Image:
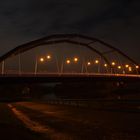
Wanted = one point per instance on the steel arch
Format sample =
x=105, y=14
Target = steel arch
x=53, y=39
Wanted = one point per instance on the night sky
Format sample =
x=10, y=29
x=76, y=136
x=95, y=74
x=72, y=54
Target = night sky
x=114, y=21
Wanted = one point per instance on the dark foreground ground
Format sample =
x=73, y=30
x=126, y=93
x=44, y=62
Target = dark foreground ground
x=39, y=121
x=12, y=128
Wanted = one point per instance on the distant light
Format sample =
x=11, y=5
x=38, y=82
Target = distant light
x=124, y=72
x=75, y=59
x=137, y=67
x=119, y=67
x=113, y=63
x=126, y=65
x=130, y=69
x=48, y=57
x=88, y=63
x=96, y=61
x=41, y=59
x=105, y=65
x=68, y=61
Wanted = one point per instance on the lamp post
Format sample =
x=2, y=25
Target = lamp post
x=75, y=59
x=36, y=63
x=67, y=61
x=82, y=66
x=97, y=63
x=105, y=65
x=137, y=69
x=87, y=65
x=113, y=64
x=57, y=64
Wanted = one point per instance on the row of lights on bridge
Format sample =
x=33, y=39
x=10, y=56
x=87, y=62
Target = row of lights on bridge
x=75, y=59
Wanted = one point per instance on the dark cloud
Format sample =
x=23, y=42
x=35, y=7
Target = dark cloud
x=114, y=21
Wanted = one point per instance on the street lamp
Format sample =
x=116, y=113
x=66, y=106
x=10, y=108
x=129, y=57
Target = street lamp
x=75, y=59
x=113, y=63
x=96, y=61
x=68, y=61
x=126, y=65
x=48, y=57
x=105, y=65
x=119, y=67
x=112, y=69
x=88, y=63
x=36, y=63
x=41, y=59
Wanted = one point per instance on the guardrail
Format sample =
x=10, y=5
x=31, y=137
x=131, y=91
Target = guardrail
x=70, y=74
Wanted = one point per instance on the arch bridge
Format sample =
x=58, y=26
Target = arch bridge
x=68, y=55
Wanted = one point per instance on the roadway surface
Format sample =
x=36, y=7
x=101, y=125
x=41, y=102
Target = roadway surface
x=39, y=121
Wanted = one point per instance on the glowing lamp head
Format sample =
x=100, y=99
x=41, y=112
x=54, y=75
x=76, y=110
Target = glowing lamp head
x=75, y=59
x=48, y=57
x=68, y=61
x=96, y=61
x=137, y=67
x=41, y=59
x=113, y=64
x=88, y=63
x=126, y=65
x=105, y=65
x=119, y=67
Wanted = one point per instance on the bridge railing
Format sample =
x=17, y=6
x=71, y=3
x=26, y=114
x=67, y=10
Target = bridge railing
x=68, y=75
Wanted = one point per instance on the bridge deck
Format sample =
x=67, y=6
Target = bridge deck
x=67, y=77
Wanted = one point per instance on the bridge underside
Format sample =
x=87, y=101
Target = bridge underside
x=67, y=87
